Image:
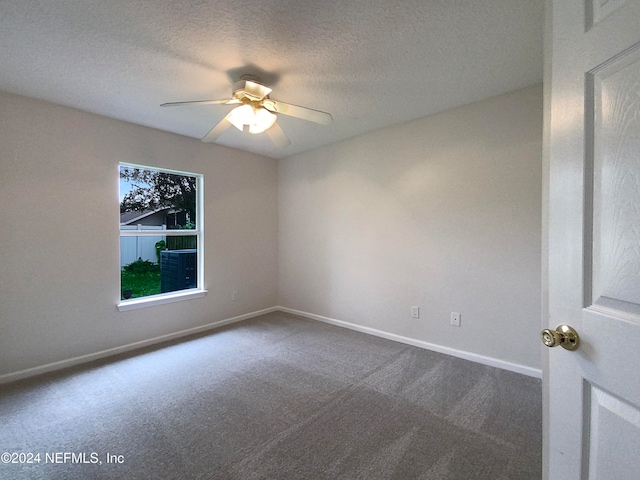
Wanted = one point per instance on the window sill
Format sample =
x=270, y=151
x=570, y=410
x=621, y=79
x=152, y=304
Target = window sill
x=161, y=299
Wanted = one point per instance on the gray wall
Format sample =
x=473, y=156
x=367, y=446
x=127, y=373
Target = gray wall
x=443, y=213
x=59, y=261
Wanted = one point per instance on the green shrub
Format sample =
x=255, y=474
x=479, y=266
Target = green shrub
x=141, y=267
x=140, y=279
x=160, y=246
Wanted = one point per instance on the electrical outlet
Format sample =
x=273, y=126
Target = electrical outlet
x=415, y=312
x=455, y=319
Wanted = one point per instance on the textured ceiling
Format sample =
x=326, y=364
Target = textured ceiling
x=370, y=63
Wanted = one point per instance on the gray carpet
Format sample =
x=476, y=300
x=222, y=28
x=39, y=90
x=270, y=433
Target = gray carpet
x=276, y=397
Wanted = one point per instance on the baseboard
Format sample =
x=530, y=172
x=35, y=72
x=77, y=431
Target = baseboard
x=72, y=362
x=493, y=362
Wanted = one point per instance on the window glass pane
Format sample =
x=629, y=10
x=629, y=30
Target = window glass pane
x=154, y=203
x=179, y=243
x=150, y=266
x=151, y=199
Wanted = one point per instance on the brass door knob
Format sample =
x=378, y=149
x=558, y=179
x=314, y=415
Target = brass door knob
x=564, y=335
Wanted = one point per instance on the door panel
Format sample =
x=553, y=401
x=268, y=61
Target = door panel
x=599, y=9
x=613, y=94
x=610, y=417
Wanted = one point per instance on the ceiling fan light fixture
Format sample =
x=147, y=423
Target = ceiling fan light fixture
x=257, y=119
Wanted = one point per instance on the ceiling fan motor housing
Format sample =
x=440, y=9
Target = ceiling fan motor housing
x=251, y=89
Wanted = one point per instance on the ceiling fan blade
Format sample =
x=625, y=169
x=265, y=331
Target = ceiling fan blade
x=278, y=136
x=216, y=131
x=226, y=101
x=304, y=113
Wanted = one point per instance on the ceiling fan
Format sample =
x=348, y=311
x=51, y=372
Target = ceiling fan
x=256, y=112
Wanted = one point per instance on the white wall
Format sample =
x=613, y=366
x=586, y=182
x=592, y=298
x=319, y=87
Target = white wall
x=59, y=217
x=442, y=212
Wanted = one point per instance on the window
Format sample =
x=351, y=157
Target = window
x=161, y=231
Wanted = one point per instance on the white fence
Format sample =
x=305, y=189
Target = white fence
x=132, y=248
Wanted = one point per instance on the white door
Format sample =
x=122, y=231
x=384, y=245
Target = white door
x=592, y=394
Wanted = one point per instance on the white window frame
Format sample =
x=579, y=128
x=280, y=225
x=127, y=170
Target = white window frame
x=179, y=295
